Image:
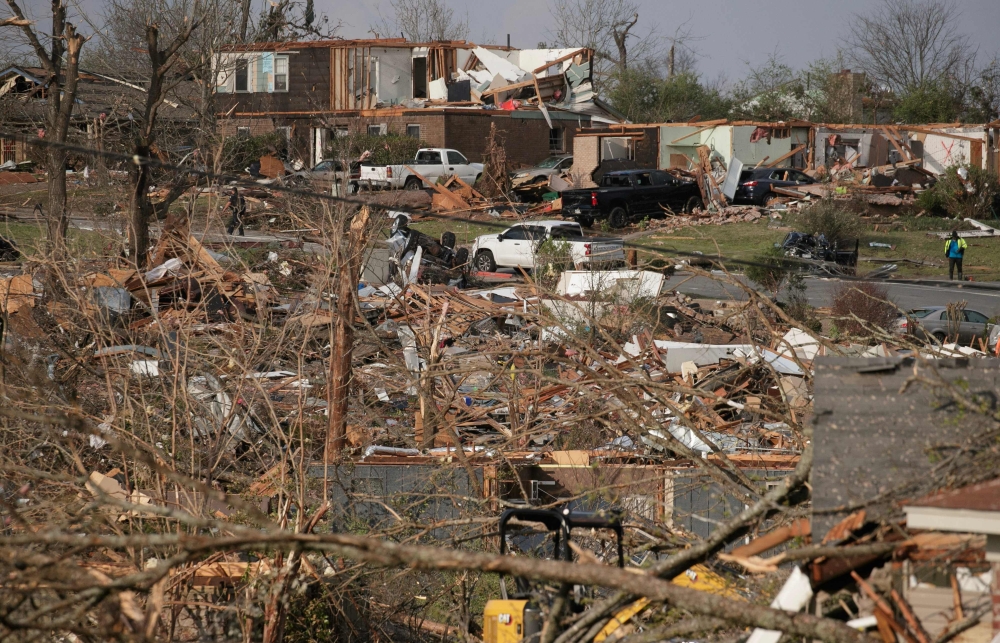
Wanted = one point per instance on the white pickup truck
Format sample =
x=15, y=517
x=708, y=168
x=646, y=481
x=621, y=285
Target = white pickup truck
x=518, y=246
x=431, y=163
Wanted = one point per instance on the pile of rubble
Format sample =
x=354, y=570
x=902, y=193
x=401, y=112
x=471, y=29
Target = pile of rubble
x=471, y=348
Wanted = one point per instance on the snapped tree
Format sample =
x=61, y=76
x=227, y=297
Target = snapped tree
x=61, y=62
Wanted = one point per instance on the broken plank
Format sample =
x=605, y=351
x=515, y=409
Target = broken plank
x=448, y=194
x=788, y=154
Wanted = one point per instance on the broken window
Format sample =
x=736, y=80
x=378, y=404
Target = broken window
x=413, y=131
x=618, y=148
x=420, y=77
x=616, y=181
x=643, y=180
x=243, y=132
x=281, y=73
x=376, y=130
x=341, y=130
x=242, y=76
x=285, y=132
x=557, y=140
x=662, y=178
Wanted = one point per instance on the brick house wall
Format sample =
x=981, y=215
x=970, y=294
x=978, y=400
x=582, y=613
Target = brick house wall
x=586, y=158
x=526, y=138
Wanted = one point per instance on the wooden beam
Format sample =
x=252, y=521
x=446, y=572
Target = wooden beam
x=800, y=527
x=892, y=139
x=466, y=185
x=925, y=130
x=706, y=126
x=788, y=154
x=521, y=85
x=905, y=142
x=558, y=60
x=910, y=617
x=956, y=597
x=458, y=201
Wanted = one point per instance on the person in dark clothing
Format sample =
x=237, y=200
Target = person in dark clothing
x=954, y=249
x=239, y=207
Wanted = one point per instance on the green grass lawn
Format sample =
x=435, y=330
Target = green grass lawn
x=465, y=231
x=907, y=234
x=83, y=244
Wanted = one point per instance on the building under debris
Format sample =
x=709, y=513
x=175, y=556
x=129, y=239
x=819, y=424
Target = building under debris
x=444, y=93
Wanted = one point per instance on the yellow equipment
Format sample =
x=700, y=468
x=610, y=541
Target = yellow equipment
x=516, y=619
x=511, y=620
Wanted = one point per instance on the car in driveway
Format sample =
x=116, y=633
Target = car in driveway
x=431, y=163
x=932, y=322
x=326, y=173
x=755, y=184
x=550, y=166
x=629, y=195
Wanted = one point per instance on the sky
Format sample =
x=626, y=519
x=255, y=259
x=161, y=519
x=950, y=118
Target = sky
x=731, y=33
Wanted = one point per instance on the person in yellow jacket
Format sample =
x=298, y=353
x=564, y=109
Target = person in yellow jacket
x=954, y=249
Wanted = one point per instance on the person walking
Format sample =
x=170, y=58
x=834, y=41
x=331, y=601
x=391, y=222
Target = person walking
x=239, y=207
x=954, y=249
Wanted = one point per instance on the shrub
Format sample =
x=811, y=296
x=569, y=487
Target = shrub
x=831, y=219
x=970, y=198
x=868, y=302
x=239, y=151
x=385, y=148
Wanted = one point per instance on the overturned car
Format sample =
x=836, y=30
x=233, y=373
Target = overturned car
x=437, y=260
x=821, y=255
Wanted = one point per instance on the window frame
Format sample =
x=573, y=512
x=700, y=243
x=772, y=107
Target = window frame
x=243, y=132
x=244, y=64
x=274, y=75
x=451, y=161
x=985, y=319
x=380, y=127
x=521, y=231
x=557, y=140
x=411, y=126
x=429, y=154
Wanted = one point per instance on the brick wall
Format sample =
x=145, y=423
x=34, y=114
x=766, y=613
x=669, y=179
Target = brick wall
x=586, y=157
x=230, y=126
x=431, y=125
x=526, y=139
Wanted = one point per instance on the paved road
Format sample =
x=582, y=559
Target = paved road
x=819, y=292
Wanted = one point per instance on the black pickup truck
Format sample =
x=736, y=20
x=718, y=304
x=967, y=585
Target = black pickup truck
x=628, y=195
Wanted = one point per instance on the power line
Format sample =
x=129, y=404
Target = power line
x=787, y=264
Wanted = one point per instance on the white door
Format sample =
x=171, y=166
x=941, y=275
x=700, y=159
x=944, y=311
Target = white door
x=318, y=144
x=510, y=252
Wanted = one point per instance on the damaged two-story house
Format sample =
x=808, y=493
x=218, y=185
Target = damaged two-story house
x=444, y=93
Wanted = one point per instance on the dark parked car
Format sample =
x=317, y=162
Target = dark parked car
x=755, y=185
x=933, y=321
x=628, y=195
